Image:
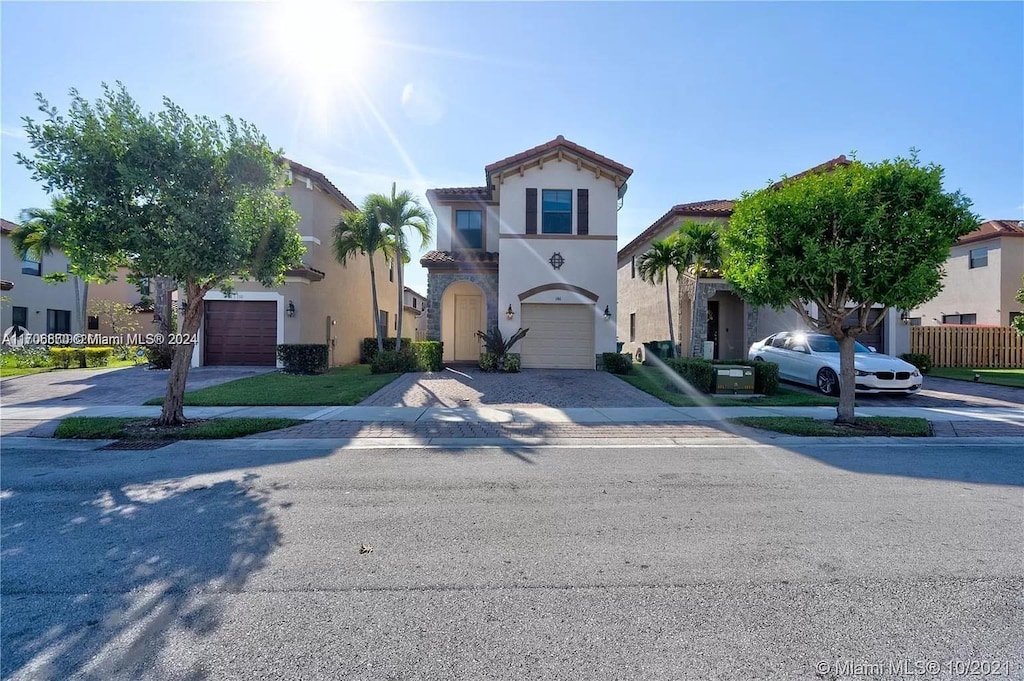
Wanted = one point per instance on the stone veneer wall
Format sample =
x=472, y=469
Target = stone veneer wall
x=700, y=328
x=438, y=283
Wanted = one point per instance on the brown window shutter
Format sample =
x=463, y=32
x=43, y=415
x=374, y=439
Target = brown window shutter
x=583, y=212
x=531, y=211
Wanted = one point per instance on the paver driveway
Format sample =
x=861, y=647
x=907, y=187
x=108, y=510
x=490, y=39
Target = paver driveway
x=530, y=388
x=130, y=385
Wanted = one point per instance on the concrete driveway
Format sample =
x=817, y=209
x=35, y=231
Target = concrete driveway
x=129, y=385
x=470, y=387
x=943, y=392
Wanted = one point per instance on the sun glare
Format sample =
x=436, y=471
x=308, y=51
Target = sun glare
x=323, y=44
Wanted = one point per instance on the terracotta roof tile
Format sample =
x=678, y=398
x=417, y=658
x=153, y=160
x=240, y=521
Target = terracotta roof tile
x=840, y=160
x=710, y=209
x=6, y=226
x=559, y=141
x=328, y=186
x=306, y=272
x=6, y=285
x=468, y=193
x=455, y=257
x=994, y=229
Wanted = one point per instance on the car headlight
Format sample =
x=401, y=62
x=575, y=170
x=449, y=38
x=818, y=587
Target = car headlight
x=863, y=373
x=915, y=373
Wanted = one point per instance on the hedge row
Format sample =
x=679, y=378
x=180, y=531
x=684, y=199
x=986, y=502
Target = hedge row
x=81, y=357
x=428, y=355
x=304, y=358
x=918, y=359
x=700, y=373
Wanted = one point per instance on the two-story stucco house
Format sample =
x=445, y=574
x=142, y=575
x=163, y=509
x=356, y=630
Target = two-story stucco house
x=319, y=302
x=29, y=301
x=983, y=274
x=533, y=248
x=415, y=310
x=721, y=316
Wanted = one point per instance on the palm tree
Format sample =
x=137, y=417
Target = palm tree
x=359, y=233
x=394, y=215
x=701, y=248
x=38, y=235
x=654, y=266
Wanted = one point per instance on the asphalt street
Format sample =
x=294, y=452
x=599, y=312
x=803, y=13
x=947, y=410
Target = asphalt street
x=276, y=560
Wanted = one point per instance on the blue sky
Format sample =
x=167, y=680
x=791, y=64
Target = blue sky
x=702, y=100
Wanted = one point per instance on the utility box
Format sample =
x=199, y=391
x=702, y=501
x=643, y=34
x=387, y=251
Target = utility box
x=734, y=380
x=709, y=350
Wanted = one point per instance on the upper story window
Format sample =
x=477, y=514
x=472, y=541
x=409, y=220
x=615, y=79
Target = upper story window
x=979, y=257
x=30, y=265
x=557, y=211
x=469, y=225
x=959, y=319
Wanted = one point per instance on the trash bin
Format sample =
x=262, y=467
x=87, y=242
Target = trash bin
x=653, y=349
x=619, y=346
x=666, y=349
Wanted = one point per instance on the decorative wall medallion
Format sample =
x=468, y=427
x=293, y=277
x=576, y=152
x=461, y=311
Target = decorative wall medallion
x=557, y=261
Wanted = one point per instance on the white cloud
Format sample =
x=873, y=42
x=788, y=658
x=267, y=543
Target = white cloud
x=13, y=133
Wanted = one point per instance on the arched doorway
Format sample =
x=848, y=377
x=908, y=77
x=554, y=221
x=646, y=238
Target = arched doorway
x=463, y=313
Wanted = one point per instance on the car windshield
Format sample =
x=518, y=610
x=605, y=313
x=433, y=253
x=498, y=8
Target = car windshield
x=829, y=344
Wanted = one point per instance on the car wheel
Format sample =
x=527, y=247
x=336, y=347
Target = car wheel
x=828, y=382
x=759, y=359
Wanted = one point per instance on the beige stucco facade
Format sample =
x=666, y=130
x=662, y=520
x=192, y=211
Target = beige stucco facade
x=987, y=292
x=331, y=303
x=31, y=293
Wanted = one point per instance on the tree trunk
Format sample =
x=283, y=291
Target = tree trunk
x=376, y=307
x=401, y=303
x=693, y=311
x=847, y=381
x=80, y=321
x=85, y=306
x=668, y=304
x=172, y=413
x=162, y=304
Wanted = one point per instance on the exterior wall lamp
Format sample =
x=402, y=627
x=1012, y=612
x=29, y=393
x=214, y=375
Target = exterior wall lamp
x=905, y=317
x=509, y=313
x=290, y=310
x=607, y=313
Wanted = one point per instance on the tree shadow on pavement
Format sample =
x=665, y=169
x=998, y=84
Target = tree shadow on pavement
x=98, y=582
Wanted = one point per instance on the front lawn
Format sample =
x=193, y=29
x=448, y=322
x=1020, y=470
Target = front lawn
x=1012, y=378
x=886, y=426
x=9, y=371
x=654, y=382
x=109, y=428
x=343, y=386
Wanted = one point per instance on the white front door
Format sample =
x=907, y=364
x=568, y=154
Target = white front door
x=559, y=337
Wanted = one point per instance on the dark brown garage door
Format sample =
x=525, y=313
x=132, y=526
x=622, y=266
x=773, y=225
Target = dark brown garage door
x=240, y=332
x=876, y=337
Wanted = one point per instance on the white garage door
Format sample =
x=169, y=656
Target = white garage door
x=560, y=336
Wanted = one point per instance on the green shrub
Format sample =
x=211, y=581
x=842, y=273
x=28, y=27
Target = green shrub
x=368, y=348
x=617, y=363
x=512, y=363
x=394, y=362
x=27, y=357
x=429, y=354
x=488, y=361
x=303, y=358
x=159, y=356
x=697, y=372
x=918, y=359
x=65, y=358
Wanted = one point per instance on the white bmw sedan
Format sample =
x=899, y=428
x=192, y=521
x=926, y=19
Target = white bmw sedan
x=813, y=359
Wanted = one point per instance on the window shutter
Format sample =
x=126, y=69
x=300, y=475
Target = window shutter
x=583, y=212
x=531, y=211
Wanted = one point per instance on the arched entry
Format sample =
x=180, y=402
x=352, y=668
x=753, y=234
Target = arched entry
x=463, y=313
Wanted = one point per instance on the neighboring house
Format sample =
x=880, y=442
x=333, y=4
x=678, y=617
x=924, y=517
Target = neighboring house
x=31, y=302
x=139, y=297
x=319, y=302
x=722, y=316
x=415, y=323
x=983, y=275
x=533, y=248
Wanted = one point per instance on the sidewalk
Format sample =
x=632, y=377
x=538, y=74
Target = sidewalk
x=468, y=422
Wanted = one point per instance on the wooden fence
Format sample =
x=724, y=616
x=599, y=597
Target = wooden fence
x=974, y=347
